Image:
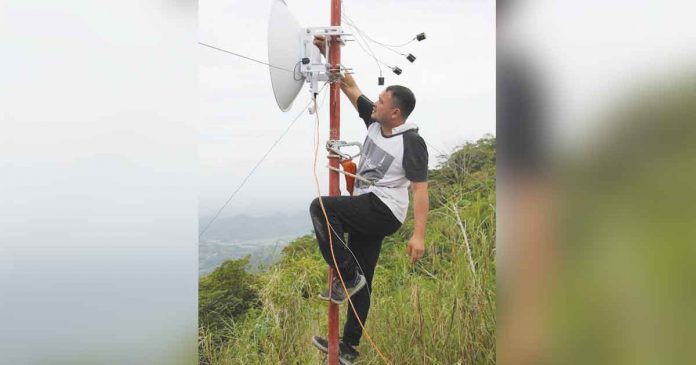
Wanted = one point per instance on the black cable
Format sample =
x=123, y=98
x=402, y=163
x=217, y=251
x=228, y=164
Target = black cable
x=242, y=56
x=257, y=165
x=410, y=57
x=391, y=45
x=374, y=41
x=436, y=150
x=371, y=54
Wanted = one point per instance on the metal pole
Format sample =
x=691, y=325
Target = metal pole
x=335, y=134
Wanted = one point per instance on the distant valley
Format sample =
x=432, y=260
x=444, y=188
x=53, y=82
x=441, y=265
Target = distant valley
x=235, y=237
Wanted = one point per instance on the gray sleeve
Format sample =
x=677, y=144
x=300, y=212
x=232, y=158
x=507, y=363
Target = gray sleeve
x=365, y=109
x=415, y=161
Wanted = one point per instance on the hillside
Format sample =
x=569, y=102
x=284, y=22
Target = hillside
x=440, y=311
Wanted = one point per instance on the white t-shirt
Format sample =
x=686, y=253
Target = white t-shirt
x=390, y=162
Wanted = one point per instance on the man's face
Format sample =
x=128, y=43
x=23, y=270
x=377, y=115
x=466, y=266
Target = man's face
x=384, y=110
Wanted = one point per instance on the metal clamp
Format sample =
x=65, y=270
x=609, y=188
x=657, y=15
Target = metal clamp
x=335, y=146
x=311, y=66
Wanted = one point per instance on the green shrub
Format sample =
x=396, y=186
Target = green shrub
x=226, y=294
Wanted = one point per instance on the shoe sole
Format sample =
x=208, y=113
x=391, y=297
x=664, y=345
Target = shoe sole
x=325, y=350
x=319, y=346
x=356, y=289
x=362, y=283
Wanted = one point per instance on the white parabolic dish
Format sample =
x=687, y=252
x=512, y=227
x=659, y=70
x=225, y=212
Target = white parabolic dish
x=284, y=52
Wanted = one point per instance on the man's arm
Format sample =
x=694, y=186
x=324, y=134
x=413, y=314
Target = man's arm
x=421, y=206
x=348, y=85
x=350, y=88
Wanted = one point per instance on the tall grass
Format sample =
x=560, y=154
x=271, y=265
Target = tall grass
x=438, y=311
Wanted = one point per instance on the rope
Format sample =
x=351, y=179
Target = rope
x=362, y=271
x=285, y=132
x=329, y=229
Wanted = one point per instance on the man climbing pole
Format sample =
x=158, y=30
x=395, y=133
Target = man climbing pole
x=394, y=157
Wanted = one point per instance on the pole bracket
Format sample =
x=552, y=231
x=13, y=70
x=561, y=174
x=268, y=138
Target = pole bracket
x=310, y=65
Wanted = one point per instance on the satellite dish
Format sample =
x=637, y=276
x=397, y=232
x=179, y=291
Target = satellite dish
x=284, y=52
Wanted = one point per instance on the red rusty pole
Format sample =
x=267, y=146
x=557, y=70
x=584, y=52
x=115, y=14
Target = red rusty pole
x=334, y=134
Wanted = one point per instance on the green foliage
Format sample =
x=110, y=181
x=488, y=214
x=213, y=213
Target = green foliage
x=438, y=311
x=469, y=171
x=226, y=294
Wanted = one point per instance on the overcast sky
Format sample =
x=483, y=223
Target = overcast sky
x=453, y=79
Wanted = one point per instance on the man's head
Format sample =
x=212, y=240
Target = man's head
x=394, y=106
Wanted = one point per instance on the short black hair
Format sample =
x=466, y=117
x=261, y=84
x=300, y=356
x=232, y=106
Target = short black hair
x=402, y=98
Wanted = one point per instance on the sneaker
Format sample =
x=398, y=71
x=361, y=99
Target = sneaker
x=338, y=295
x=346, y=354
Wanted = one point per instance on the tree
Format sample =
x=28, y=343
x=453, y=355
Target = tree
x=225, y=294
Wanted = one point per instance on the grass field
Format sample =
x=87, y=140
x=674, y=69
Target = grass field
x=439, y=311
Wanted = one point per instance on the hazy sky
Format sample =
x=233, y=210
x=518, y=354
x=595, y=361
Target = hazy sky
x=98, y=223
x=453, y=79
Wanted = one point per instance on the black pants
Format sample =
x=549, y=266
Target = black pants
x=367, y=220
